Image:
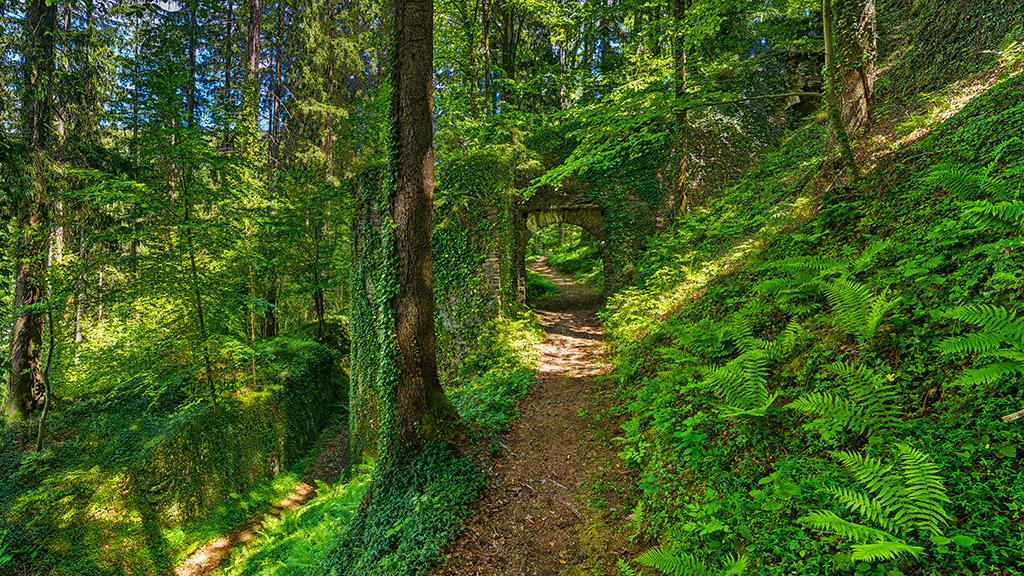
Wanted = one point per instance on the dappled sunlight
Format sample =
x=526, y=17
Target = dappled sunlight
x=209, y=557
x=893, y=133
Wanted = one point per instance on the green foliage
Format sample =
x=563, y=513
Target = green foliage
x=857, y=309
x=899, y=502
x=167, y=474
x=487, y=402
x=1001, y=338
x=295, y=542
x=539, y=287
x=410, y=517
x=879, y=277
x=5, y=558
x=687, y=565
x=867, y=405
x=1001, y=216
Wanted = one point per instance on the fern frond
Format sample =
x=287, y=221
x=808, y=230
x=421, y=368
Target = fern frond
x=990, y=318
x=819, y=264
x=739, y=330
x=974, y=343
x=741, y=383
x=884, y=551
x=958, y=179
x=867, y=257
x=880, y=306
x=851, y=303
x=735, y=565
x=673, y=564
x=850, y=372
x=828, y=520
x=867, y=405
x=786, y=342
x=989, y=373
x=757, y=409
x=774, y=286
x=924, y=490
x=873, y=510
x=1001, y=216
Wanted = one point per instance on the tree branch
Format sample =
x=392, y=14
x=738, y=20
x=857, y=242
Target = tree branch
x=764, y=97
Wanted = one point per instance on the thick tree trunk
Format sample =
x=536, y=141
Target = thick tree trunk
x=422, y=409
x=856, y=47
x=25, y=386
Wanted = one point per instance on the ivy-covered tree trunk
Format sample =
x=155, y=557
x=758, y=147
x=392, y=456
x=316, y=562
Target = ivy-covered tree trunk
x=397, y=399
x=25, y=384
x=423, y=412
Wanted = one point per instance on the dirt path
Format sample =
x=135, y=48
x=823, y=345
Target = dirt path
x=331, y=461
x=559, y=496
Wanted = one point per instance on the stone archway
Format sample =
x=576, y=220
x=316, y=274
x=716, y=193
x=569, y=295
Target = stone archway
x=530, y=220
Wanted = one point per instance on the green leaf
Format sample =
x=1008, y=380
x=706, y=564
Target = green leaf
x=790, y=488
x=1008, y=451
x=965, y=541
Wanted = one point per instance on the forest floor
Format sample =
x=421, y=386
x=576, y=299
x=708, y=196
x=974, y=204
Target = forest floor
x=559, y=497
x=330, y=463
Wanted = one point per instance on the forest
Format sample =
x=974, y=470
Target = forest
x=511, y=287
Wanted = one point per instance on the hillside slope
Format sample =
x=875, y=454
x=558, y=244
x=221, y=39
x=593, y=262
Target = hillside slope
x=816, y=370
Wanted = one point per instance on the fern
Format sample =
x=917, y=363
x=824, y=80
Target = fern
x=688, y=565
x=867, y=405
x=858, y=310
x=671, y=563
x=1002, y=338
x=898, y=499
x=884, y=551
x=1005, y=217
x=742, y=383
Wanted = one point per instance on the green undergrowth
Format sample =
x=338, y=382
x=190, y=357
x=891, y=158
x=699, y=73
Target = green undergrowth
x=539, y=287
x=582, y=261
x=294, y=542
x=130, y=482
x=416, y=509
x=818, y=378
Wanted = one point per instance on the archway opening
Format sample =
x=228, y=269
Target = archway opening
x=565, y=248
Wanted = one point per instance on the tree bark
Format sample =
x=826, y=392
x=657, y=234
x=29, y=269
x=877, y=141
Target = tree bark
x=25, y=387
x=680, y=191
x=838, y=127
x=252, y=68
x=422, y=409
x=856, y=46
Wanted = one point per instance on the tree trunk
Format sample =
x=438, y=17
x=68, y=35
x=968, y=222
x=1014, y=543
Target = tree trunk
x=489, y=94
x=680, y=190
x=25, y=386
x=229, y=57
x=856, y=46
x=80, y=294
x=193, y=32
x=423, y=411
x=252, y=67
x=838, y=127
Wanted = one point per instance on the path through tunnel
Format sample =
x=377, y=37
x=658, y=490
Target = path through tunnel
x=570, y=240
